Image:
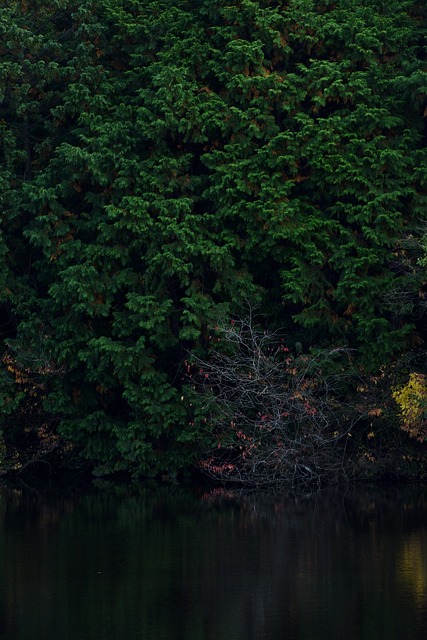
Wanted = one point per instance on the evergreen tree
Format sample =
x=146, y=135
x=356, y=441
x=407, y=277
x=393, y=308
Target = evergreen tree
x=163, y=162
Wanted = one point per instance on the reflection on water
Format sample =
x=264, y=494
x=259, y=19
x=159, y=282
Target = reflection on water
x=180, y=564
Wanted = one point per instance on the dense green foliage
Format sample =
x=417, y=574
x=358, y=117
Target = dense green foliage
x=163, y=163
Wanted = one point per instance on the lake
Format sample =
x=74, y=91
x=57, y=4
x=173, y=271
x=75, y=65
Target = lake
x=109, y=562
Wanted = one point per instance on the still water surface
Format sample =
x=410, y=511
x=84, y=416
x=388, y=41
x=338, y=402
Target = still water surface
x=177, y=564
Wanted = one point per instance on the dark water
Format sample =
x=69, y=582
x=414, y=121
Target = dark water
x=176, y=564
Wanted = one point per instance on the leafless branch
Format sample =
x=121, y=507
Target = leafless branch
x=276, y=417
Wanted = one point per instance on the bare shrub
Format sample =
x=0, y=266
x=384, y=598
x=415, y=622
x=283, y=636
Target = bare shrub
x=276, y=417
